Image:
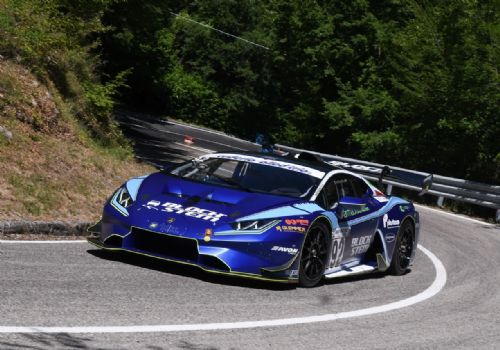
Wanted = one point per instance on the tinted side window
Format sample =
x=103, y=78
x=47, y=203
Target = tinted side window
x=359, y=187
x=330, y=193
x=350, y=186
x=321, y=200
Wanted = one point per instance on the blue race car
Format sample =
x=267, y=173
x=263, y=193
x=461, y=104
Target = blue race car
x=261, y=216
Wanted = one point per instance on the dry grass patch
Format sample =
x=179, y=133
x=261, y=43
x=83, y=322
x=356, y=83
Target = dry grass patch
x=51, y=169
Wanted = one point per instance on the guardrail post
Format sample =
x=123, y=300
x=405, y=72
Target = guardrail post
x=498, y=215
x=389, y=189
x=440, y=202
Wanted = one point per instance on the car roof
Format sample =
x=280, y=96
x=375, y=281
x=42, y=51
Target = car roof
x=313, y=164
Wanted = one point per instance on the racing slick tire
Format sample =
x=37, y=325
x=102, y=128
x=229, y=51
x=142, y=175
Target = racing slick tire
x=403, y=249
x=314, y=255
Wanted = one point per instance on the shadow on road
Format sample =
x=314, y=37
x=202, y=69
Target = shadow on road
x=43, y=341
x=39, y=341
x=187, y=271
x=195, y=272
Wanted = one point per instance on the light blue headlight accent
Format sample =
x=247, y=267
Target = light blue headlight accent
x=133, y=186
x=249, y=232
x=118, y=206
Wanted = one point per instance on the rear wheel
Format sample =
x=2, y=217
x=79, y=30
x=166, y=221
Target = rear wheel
x=314, y=255
x=403, y=250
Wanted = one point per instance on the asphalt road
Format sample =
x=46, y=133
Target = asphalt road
x=161, y=142
x=74, y=285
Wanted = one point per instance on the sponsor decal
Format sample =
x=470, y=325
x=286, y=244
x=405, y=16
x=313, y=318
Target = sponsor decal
x=170, y=220
x=288, y=250
x=390, y=237
x=389, y=223
x=290, y=228
x=194, y=212
x=348, y=212
x=404, y=208
x=356, y=166
x=293, y=273
x=302, y=222
x=360, y=245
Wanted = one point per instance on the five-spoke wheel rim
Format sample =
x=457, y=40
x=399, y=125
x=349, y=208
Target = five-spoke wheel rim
x=312, y=261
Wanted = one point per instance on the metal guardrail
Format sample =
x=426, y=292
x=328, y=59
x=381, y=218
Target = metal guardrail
x=441, y=186
x=160, y=141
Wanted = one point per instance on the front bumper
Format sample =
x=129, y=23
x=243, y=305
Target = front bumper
x=215, y=257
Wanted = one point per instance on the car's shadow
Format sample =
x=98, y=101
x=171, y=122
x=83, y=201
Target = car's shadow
x=196, y=272
x=187, y=270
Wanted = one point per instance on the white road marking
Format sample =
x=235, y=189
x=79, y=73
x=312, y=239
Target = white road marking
x=453, y=215
x=41, y=242
x=436, y=286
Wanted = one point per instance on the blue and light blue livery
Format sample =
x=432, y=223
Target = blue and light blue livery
x=217, y=213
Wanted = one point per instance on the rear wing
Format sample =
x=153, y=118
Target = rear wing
x=416, y=179
x=377, y=173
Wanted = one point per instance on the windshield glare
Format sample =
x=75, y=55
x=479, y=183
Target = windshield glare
x=248, y=176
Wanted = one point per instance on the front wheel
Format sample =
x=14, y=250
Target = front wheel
x=403, y=250
x=314, y=255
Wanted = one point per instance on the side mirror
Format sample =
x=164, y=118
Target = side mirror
x=349, y=207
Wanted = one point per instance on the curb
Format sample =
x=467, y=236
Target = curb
x=53, y=228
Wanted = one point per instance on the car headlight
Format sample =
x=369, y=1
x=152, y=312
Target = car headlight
x=121, y=200
x=254, y=225
x=124, y=198
x=126, y=195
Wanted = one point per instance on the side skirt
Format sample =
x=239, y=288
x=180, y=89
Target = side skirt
x=351, y=271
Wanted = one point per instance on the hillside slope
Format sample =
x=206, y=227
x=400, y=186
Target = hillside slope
x=50, y=169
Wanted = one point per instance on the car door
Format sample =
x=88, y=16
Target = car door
x=349, y=198
x=355, y=209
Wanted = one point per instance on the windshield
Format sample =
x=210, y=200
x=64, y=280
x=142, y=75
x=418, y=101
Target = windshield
x=248, y=176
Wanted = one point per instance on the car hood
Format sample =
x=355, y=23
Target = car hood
x=163, y=200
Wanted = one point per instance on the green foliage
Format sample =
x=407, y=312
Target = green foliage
x=448, y=83
x=192, y=98
x=57, y=40
x=410, y=83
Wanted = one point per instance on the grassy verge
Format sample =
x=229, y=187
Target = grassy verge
x=52, y=169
